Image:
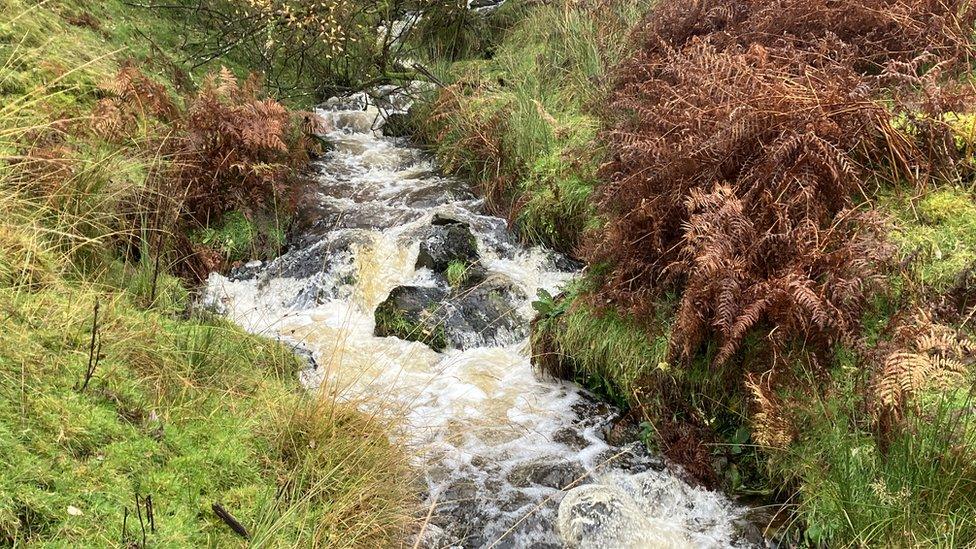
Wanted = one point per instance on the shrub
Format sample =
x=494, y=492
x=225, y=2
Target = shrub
x=228, y=152
x=238, y=150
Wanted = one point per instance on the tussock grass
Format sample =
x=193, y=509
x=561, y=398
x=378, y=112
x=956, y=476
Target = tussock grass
x=522, y=123
x=918, y=489
x=604, y=351
x=189, y=411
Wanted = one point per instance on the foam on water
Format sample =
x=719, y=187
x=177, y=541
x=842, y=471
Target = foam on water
x=497, y=445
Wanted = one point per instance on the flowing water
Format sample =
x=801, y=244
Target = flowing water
x=496, y=444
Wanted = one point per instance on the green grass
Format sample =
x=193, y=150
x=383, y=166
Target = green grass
x=182, y=406
x=521, y=123
x=916, y=489
x=456, y=273
x=602, y=350
x=238, y=238
x=189, y=411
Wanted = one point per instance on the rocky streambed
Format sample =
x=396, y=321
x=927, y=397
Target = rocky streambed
x=407, y=295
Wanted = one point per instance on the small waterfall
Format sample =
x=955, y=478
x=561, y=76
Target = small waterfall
x=496, y=445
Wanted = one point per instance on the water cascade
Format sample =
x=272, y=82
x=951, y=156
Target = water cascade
x=509, y=459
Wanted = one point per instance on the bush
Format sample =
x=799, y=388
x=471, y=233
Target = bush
x=742, y=296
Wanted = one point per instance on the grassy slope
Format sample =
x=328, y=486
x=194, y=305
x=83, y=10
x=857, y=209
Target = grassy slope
x=525, y=126
x=188, y=409
x=519, y=123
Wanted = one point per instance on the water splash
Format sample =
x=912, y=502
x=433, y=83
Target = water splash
x=497, y=445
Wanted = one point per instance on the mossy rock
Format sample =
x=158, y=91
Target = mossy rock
x=412, y=313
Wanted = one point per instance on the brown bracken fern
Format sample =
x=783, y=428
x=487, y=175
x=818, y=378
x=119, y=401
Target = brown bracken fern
x=748, y=131
x=927, y=356
x=770, y=426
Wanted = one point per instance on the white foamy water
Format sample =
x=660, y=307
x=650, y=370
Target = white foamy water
x=499, y=447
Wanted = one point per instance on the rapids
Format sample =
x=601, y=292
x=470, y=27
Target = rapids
x=495, y=444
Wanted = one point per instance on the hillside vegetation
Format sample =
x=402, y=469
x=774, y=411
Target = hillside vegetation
x=774, y=201
x=125, y=413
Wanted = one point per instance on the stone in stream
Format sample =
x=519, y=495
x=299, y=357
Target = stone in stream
x=597, y=516
x=444, y=242
x=484, y=314
x=398, y=124
x=483, y=4
x=648, y=509
x=413, y=313
x=559, y=475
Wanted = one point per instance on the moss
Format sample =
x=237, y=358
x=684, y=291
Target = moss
x=937, y=231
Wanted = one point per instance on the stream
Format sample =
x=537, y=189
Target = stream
x=509, y=459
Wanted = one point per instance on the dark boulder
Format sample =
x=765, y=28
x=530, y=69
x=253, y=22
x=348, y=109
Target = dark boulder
x=398, y=124
x=485, y=314
x=443, y=244
x=413, y=313
x=558, y=474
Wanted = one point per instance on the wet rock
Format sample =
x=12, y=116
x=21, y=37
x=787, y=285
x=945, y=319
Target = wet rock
x=601, y=516
x=485, y=314
x=247, y=271
x=398, y=124
x=558, y=475
x=353, y=102
x=445, y=243
x=484, y=5
x=622, y=432
x=749, y=533
x=635, y=458
x=571, y=437
x=431, y=196
x=320, y=257
x=412, y=313
x=566, y=264
x=443, y=220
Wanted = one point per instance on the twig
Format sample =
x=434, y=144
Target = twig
x=150, y=514
x=430, y=76
x=94, y=351
x=125, y=523
x=229, y=519
x=155, y=275
x=141, y=523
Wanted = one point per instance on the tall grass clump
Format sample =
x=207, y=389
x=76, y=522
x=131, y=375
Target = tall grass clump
x=522, y=123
